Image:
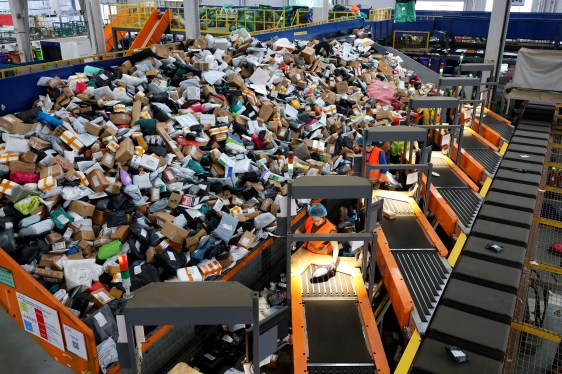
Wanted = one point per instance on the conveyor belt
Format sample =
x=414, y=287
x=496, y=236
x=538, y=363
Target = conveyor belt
x=405, y=233
x=447, y=178
x=489, y=159
x=316, y=369
x=335, y=332
x=505, y=130
x=340, y=285
x=400, y=208
x=426, y=274
x=470, y=141
x=464, y=202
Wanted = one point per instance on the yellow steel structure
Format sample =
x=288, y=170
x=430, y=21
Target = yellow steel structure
x=381, y=14
x=137, y=16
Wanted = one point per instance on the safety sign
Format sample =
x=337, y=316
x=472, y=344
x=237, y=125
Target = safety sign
x=40, y=320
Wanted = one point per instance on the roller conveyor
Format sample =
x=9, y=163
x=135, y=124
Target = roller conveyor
x=423, y=270
x=481, y=152
x=499, y=126
x=455, y=191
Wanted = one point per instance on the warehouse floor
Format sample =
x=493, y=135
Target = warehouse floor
x=19, y=353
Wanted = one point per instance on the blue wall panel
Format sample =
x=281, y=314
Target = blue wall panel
x=19, y=93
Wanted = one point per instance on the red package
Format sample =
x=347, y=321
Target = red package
x=80, y=87
x=94, y=287
x=197, y=107
x=257, y=141
x=22, y=177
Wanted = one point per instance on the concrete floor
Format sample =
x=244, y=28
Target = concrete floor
x=19, y=353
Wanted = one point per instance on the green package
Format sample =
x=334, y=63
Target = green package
x=60, y=218
x=109, y=250
x=28, y=205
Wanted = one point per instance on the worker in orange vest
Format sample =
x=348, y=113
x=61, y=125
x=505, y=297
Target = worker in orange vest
x=317, y=223
x=374, y=156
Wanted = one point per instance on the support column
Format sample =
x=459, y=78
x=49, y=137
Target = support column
x=91, y=11
x=495, y=43
x=321, y=14
x=20, y=16
x=191, y=18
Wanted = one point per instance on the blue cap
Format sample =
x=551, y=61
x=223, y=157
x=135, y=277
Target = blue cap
x=317, y=210
x=360, y=141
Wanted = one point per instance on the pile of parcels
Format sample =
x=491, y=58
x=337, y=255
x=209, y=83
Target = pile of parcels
x=179, y=158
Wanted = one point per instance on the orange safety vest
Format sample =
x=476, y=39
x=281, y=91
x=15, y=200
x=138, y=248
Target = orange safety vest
x=375, y=175
x=323, y=248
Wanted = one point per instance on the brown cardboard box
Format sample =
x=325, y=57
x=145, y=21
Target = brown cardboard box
x=160, y=218
x=163, y=132
x=388, y=214
x=126, y=151
x=22, y=166
x=194, y=152
x=98, y=218
x=54, y=171
x=98, y=181
x=120, y=118
x=54, y=275
x=209, y=267
x=93, y=129
x=38, y=144
x=174, y=232
x=7, y=122
x=247, y=240
x=192, y=241
x=54, y=237
x=121, y=233
x=309, y=55
x=225, y=260
x=341, y=87
x=82, y=208
x=82, y=234
x=136, y=111
x=126, y=67
x=329, y=97
x=86, y=248
x=174, y=200
x=235, y=80
x=108, y=160
x=266, y=112
x=30, y=157
x=100, y=297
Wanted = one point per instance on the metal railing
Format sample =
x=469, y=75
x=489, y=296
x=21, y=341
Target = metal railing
x=412, y=41
x=130, y=16
x=223, y=21
x=382, y=14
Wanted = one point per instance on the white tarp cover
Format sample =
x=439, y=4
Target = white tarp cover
x=538, y=70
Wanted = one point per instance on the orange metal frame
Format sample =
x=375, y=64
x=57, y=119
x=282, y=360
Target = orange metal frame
x=470, y=166
x=422, y=219
x=369, y=322
x=444, y=214
x=152, y=30
x=398, y=293
x=481, y=139
x=461, y=174
x=25, y=284
x=489, y=134
x=108, y=31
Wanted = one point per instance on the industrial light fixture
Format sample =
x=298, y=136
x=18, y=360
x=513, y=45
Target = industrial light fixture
x=462, y=56
x=441, y=67
x=290, y=164
x=125, y=276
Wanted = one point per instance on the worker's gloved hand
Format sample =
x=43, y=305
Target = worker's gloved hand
x=391, y=181
x=323, y=273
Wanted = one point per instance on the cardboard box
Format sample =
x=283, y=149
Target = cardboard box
x=209, y=267
x=98, y=218
x=341, y=87
x=126, y=151
x=51, y=171
x=121, y=233
x=116, y=292
x=120, y=118
x=309, y=55
x=160, y=218
x=235, y=80
x=82, y=208
x=50, y=275
x=192, y=241
x=171, y=145
x=174, y=200
x=174, y=232
x=93, y=129
x=82, y=234
x=246, y=240
x=98, y=181
x=189, y=274
x=100, y=297
x=225, y=260
x=388, y=214
x=22, y=166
